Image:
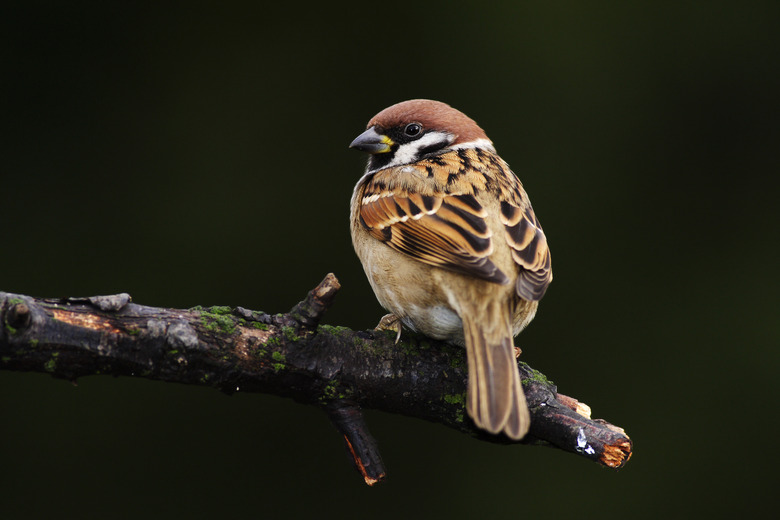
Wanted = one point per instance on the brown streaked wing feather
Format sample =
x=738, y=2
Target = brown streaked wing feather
x=529, y=250
x=446, y=231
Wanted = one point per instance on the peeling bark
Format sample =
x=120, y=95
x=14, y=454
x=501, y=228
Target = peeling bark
x=289, y=355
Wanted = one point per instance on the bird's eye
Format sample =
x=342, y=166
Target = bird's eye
x=412, y=129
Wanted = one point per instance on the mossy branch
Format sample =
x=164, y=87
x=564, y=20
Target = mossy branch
x=289, y=355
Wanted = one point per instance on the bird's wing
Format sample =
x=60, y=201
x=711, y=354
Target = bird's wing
x=529, y=247
x=444, y=230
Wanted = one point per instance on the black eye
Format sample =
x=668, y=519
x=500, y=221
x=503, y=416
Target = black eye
x=412, y=129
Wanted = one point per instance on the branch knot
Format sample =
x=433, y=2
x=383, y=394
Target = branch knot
x=18, y=316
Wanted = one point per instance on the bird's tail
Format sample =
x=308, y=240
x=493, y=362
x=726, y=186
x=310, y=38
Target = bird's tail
x=496, y=400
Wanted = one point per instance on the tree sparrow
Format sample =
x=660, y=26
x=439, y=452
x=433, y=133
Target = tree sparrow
x=451, y=246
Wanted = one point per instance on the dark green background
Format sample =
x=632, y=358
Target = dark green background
x=198, y=155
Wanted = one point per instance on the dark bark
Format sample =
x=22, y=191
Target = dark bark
x=288, y=355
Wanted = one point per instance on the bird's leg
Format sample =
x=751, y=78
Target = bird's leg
x=390, y=322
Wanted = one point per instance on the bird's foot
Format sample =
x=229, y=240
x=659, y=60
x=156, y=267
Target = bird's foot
x=390, y=322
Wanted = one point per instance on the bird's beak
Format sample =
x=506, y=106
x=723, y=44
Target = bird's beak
x=372, y=142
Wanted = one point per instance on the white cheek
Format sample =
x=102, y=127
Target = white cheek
x=410, y=152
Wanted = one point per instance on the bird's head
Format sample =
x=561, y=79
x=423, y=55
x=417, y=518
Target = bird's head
x=411, y=130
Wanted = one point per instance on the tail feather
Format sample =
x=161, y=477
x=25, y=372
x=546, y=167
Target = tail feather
x=519, y=419
x=495, y=401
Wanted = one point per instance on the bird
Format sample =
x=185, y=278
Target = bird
x=451, y=247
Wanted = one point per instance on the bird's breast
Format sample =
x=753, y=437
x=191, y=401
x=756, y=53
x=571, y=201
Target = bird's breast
x=410, y=289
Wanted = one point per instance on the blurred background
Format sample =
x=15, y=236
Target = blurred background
x=196, y=154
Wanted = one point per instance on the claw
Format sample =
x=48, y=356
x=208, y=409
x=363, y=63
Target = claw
x=390, y=322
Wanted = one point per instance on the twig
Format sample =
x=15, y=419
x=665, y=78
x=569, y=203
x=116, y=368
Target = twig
x=289, y=355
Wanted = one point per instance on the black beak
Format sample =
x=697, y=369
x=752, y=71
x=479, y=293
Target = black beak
x=372, y=142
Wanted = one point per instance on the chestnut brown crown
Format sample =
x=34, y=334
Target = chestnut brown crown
x=432, y=116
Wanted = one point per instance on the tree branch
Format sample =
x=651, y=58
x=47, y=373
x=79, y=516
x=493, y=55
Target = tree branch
x=288, y=355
